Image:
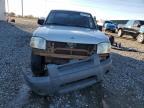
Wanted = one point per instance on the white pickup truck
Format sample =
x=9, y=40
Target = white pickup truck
x=68, y=53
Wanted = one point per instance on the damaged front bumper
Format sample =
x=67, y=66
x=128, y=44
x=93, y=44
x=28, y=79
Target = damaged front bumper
x=70, y=76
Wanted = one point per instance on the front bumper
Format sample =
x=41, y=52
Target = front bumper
x=71, y=76
x=110, y=28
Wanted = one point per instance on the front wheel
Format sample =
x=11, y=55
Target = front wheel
x=37, y=65
x=140, y=38
x=120, y=33
x=113, y=31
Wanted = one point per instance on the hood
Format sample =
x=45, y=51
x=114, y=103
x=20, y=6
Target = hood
x=71, y=34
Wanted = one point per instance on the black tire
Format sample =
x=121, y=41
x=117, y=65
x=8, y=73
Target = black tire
x=113, y=31
x=37, y=65
x=120, y=33
x=134, y=37
x=112, y=40
x=140, y=38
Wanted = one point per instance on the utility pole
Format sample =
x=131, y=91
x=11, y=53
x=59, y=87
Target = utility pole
x=7, y=11
x=8, y=6
x=22, y=7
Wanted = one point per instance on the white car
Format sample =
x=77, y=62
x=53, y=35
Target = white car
x=68, y=53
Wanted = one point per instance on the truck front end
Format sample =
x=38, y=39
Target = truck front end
x=67, y=57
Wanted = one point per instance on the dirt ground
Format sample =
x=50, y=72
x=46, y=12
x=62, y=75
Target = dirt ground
x=123, y=87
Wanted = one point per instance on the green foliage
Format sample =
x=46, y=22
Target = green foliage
x=27, y=16
x=12, y=14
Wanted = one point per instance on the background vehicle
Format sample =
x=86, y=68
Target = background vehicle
x=109, y=26
x=132, y=28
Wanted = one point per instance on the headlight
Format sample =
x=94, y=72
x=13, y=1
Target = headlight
x=103, y=48
x=37, y=42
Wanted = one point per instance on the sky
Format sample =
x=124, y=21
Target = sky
x=102, y=9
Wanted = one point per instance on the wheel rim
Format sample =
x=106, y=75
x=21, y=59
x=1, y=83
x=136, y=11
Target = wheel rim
x=140, y=38
x=119, y=33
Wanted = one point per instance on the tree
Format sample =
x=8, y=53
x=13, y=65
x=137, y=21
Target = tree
x=12, y=14
x=29, y=16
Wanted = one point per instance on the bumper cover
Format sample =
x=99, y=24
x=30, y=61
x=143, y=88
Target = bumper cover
x=70, y=76
x=112, y=29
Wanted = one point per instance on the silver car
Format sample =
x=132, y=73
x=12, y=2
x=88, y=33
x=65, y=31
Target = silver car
x=68, y=53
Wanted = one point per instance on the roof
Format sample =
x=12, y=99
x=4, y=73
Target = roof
x=71, y=11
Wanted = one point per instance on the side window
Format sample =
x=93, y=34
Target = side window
x=136, y=23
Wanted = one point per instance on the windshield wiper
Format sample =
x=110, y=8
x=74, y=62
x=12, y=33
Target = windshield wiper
x=81, y=26
x=68, y=25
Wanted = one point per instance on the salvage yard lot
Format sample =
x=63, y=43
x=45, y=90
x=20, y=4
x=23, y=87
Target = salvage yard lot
x=123, y=86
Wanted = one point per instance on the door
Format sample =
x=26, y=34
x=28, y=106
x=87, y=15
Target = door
x=128, y=27
x=135, y=28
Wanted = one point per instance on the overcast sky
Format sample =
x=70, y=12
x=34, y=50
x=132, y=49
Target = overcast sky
x=102, y=9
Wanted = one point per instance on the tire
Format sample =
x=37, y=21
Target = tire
x=113, y=31
x=140, y=38
x=134, y=37
x=37, y=65
x=120, y=33
x=112, y=40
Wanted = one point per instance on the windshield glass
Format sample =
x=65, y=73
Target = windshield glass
x=108, y=22
x=70, y=18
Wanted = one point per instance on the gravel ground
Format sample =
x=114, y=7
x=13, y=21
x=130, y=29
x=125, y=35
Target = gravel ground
x=123, y=86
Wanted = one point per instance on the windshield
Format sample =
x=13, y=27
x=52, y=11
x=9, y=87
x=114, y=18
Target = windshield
x=108, y=22
x=70, y=18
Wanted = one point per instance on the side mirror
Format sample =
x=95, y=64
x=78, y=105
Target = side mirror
x=41, y=21
x=137, y=25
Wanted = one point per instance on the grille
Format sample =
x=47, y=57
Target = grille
x=71, y=48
